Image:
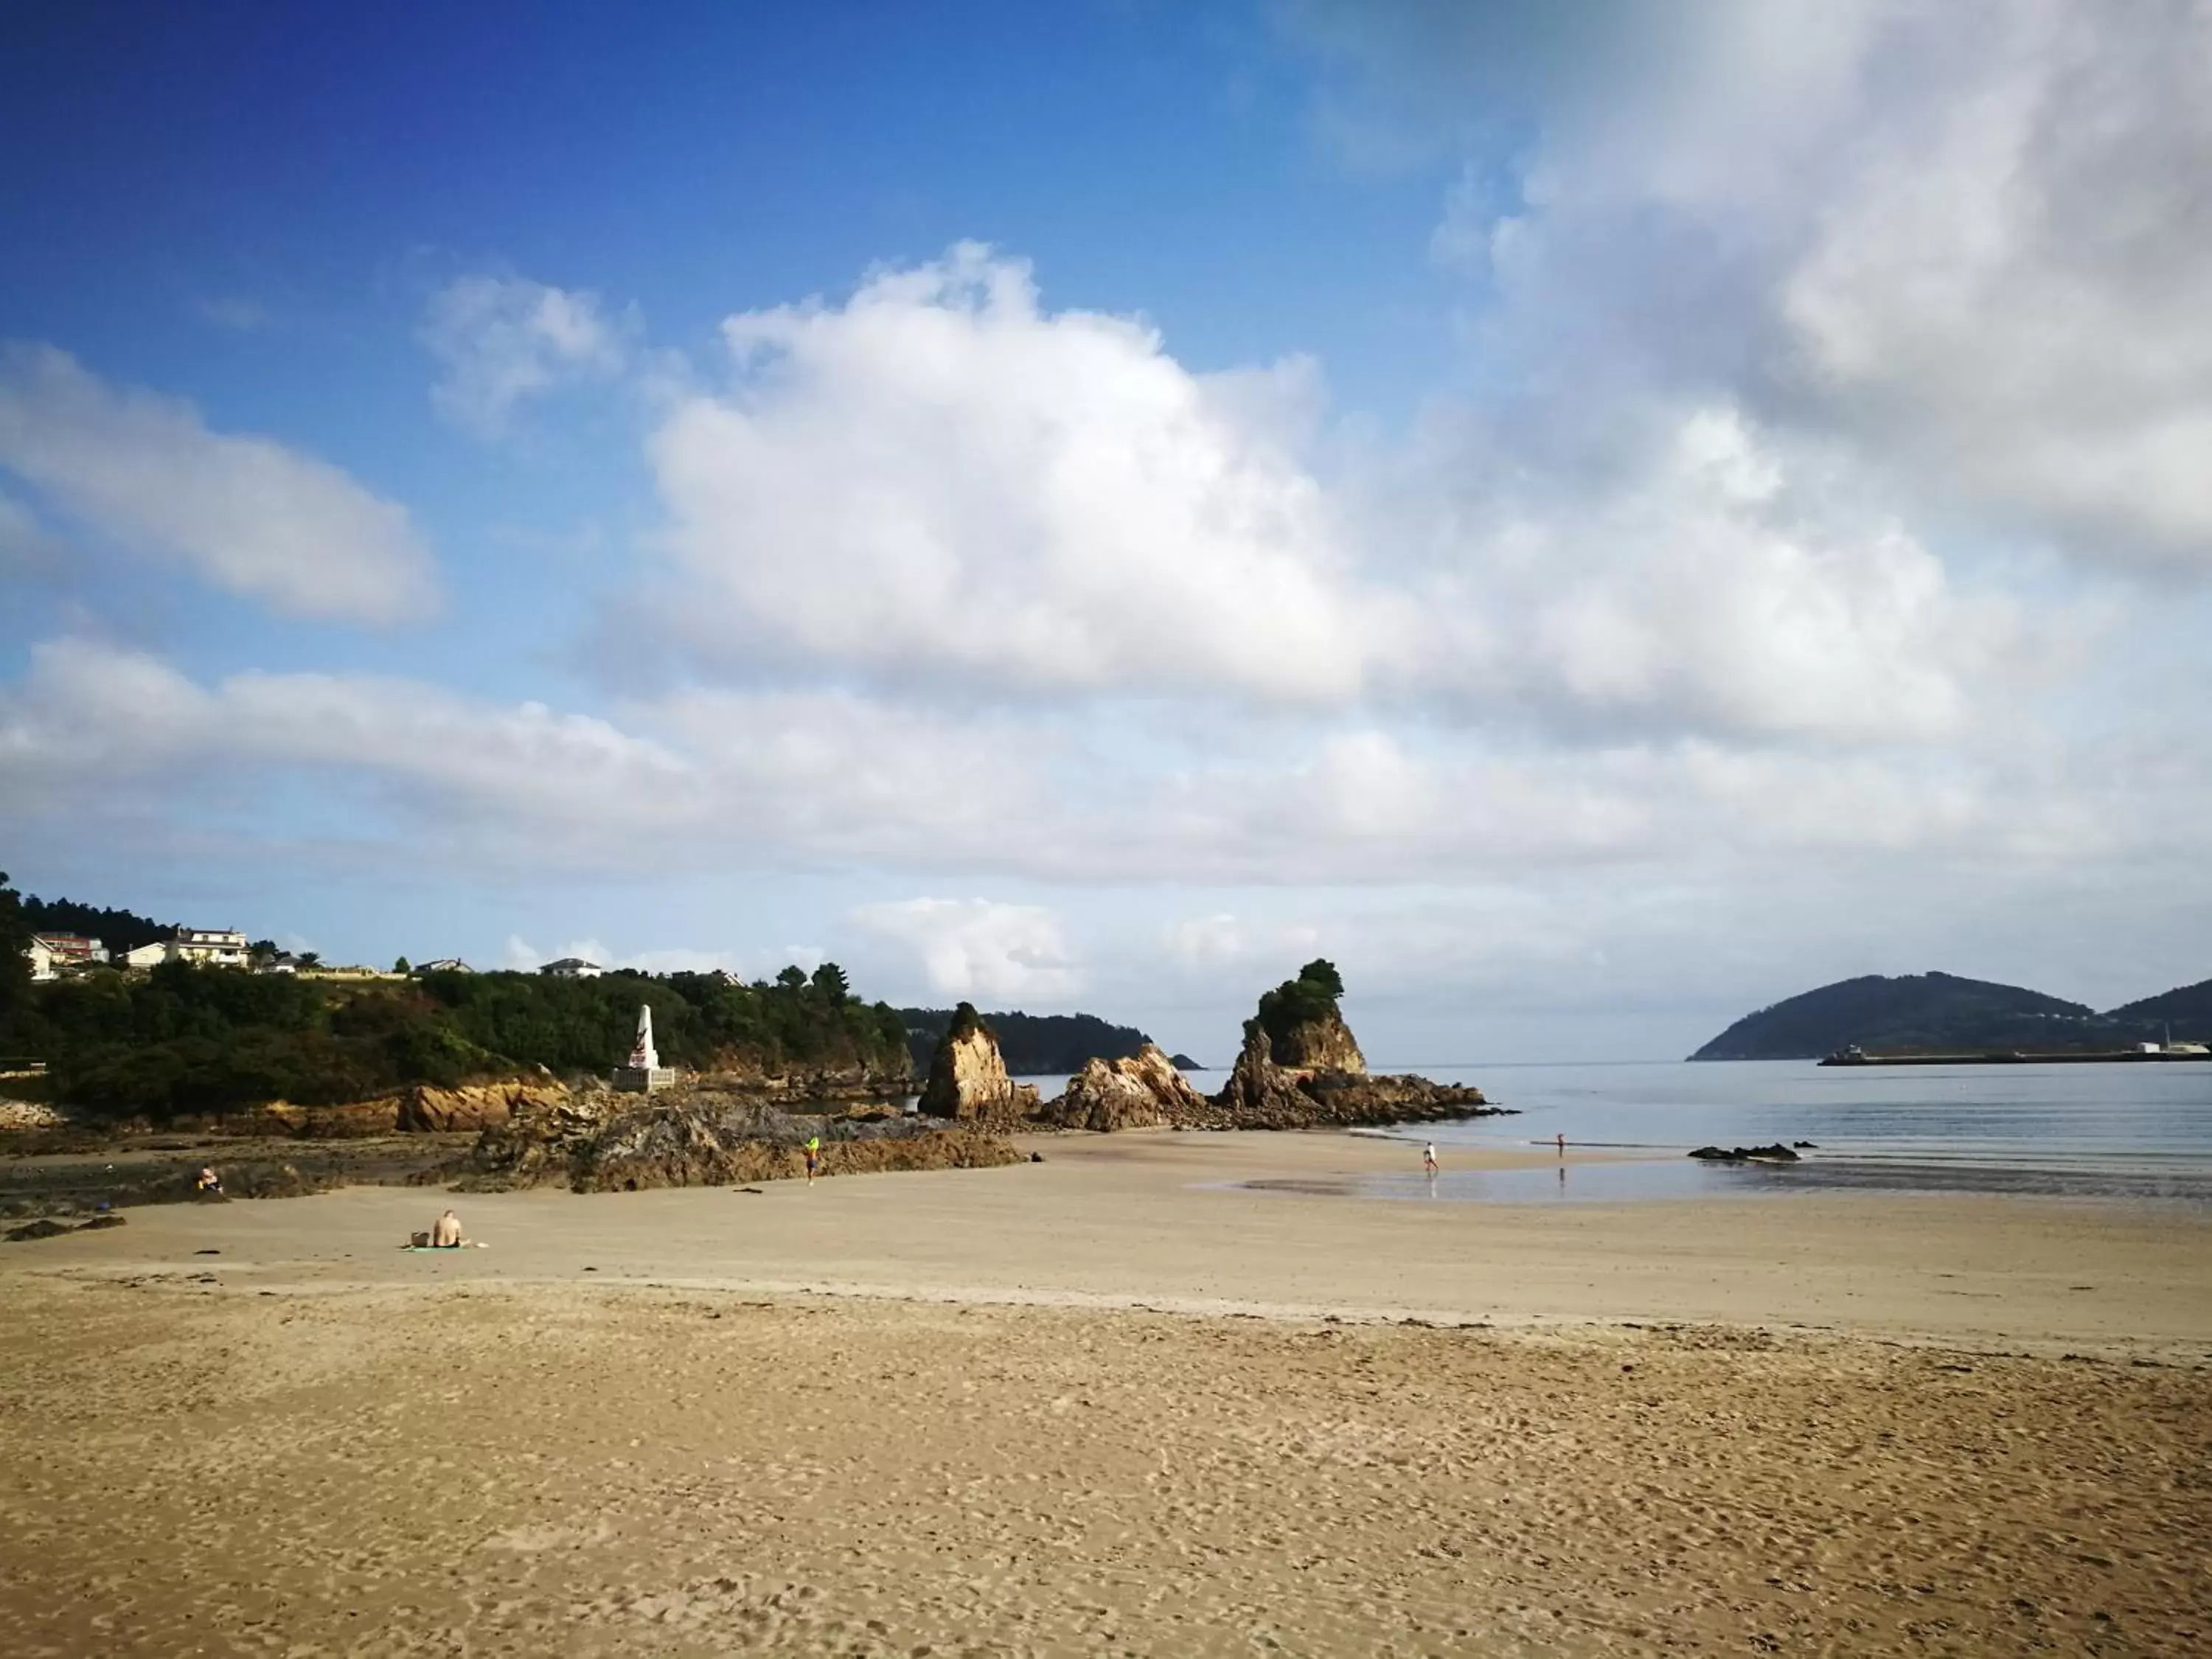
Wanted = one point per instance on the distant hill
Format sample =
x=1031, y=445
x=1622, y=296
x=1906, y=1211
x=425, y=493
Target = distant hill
x=2187, y=1010
x=1032, y=1045
x=1929, y=1011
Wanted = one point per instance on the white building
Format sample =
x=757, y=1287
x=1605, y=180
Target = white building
x=219, y=947
x=573, y=967
x=50, y=953
x=444, y=965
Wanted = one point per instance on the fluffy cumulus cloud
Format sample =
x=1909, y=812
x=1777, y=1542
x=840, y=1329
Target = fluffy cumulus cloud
x=499, y=340
x=940, y=479
x=247, y=514
x=972, y=948
x=942, y=485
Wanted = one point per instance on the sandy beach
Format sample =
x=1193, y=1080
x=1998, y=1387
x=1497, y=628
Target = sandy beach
x=1115, y=1402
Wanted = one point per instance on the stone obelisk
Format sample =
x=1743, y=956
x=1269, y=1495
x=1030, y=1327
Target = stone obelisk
x=644, y=1073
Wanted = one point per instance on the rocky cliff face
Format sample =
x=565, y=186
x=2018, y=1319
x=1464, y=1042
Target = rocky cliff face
x=968, y=1081
x=1321, y=1044
x=1128, y=1094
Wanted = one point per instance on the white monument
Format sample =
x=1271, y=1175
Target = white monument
x=644, y=1073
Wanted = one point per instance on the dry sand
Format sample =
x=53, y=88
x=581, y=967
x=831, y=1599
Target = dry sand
x=1811, y=1425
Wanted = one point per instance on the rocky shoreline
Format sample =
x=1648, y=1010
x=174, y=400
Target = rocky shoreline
x=1299, y=1068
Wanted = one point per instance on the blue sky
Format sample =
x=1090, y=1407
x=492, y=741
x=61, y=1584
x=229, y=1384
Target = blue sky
x=1595, y=518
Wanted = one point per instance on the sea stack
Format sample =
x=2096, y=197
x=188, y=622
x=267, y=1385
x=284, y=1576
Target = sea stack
x=1301, y=1068
x=1135, y=1093
x=968, y=1080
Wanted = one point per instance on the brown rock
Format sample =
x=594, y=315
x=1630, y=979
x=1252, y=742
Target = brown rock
x=1323, y=1044
x=1128, y=1094
x=968, y=1080
x=1261, y=1094
x=477, y=1106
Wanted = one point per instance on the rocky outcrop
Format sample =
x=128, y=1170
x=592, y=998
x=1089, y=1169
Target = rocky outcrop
x=475, y=1106
x=678, y=1147
x=1321, y=1044
x=1128, y=1094
x=1777, y=1153
x=968, y=1081
x=1261, y=1094
x=705, y=1138
x=859, y=1081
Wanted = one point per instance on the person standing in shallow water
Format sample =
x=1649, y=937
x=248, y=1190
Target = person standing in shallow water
x=1428, y=1159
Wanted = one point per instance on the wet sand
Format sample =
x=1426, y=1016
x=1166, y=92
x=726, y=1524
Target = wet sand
x=930, y=1412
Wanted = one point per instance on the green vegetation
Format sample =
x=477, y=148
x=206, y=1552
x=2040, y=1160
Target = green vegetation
x=1312, y=996
x=16, y=986
x=183, y=1039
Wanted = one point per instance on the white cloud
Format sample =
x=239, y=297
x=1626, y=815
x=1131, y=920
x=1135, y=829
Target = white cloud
x=938, y=478
x=713, y=779
x=1967, y=240
x=944, y=487
x=974, y=947
x=246, y=514
x=502, y=339
x=26, y=548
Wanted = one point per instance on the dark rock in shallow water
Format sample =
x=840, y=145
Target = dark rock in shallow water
x=99, y=1222
x=1777, y=1153
x=1810, y=1146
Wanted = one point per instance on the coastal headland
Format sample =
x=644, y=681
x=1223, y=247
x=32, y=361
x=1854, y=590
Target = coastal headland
x=1151, y=1395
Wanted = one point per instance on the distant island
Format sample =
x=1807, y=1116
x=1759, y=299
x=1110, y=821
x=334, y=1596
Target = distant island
x=1943, y=1013
x=1036, y=1045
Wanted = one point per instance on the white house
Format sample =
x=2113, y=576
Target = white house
x=221, y=947
x=224, y=947
x=444, y=965
x=573, y=967
x=51, y=952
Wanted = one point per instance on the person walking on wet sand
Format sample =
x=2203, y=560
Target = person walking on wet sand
x=1563, y=1149
x=1428, y=1159
x=813, y=1157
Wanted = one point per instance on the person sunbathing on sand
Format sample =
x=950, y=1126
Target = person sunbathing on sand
x=446, y=1235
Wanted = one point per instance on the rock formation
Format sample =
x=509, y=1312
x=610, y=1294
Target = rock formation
x=693, y=1137
x=1263, y=1094
x=1777, y=1153
x=968, y=1081
x=1301, y=1068
x=1128, y=1094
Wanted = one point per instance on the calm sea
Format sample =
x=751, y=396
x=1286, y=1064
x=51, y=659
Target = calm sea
x=2131, y=1131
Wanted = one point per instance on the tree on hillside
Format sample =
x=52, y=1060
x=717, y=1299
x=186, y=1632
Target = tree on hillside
x=15, y=964
x=401, y=967
x=830, y=984
x=791, y=978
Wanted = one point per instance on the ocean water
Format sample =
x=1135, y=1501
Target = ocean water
x=2127, y=1131
x=2132, y=1130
